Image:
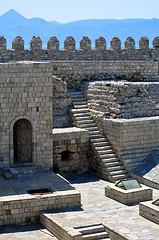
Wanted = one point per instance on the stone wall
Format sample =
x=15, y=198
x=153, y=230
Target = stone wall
x=122, y=99
x=26, y=93
x=133, y=139
x=61, y=104
x=84, y=53
x=75, y=72
x=71, y=149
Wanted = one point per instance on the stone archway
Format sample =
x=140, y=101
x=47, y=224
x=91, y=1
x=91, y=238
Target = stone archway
x=22, y=141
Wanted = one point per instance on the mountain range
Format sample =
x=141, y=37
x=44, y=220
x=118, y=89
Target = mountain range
x=13, y=24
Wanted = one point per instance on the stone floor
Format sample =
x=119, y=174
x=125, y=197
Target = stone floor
x=96, y=209
x=16, y=188
x=30, y=232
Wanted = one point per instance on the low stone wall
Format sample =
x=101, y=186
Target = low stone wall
x=70, y=150
x=149, y=211
x=27, y=208
x=128, y=196
x=133, y=139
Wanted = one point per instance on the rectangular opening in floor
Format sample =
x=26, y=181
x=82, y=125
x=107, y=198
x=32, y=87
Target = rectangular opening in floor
x=41, y=191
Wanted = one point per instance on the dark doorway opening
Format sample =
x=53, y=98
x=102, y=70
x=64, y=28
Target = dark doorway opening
x=22, y=140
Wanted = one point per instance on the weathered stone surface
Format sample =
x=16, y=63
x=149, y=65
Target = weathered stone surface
x=53, y=43
x=18, y=43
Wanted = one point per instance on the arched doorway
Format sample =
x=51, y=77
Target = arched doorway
x=22, y=140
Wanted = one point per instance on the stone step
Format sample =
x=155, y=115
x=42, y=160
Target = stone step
x=79, y=106
x=86, y=125
x=83, y=114
x=99, y=139
x=80, y=111
x=85, y=121
x=74, y=93
x=94, y=133
x=104, y=151
x=92, y=129
x=105, y=157
x=79, y=102
x=83, y=118
x=78, y=98
x=112, y=162
x=91, y=229
x=121, y=177
x=94, y=236
x=115, y=168
x=95, y=136
x=103, y=148
x=118, y=172
x=101, y=143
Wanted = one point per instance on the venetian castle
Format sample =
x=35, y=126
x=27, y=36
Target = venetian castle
x=74, y=111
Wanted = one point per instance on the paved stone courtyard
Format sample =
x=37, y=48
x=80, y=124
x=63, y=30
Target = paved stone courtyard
x=96, y=208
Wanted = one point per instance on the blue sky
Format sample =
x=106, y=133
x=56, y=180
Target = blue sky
x=72, y=10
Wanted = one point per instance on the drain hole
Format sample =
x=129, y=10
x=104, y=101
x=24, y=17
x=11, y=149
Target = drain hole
x=41, y=191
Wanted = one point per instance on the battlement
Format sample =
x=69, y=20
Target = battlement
x=85, y=51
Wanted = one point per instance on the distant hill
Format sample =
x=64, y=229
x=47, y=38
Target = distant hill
x=13, y=24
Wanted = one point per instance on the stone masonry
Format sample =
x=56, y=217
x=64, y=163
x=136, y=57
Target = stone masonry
x=26, y=94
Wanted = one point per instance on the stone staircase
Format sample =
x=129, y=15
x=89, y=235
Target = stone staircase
x=93, y=232
x=109, y=166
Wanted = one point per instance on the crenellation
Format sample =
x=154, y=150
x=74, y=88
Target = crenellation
x=100, y=44
x=115, y=44
x=69, y=43
x=85, y=43
x=53, y=44
x=35, y=44
x=18, y=44
x=130, y=43
x=144, y=43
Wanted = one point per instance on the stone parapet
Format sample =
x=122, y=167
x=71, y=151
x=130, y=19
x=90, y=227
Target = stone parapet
x=70, y=52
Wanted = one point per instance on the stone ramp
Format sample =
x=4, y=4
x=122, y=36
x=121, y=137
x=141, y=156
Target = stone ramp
x=106, y=162
x=148, y=171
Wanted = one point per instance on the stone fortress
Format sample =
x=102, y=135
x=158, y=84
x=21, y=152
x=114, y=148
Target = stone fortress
x=77, y=110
